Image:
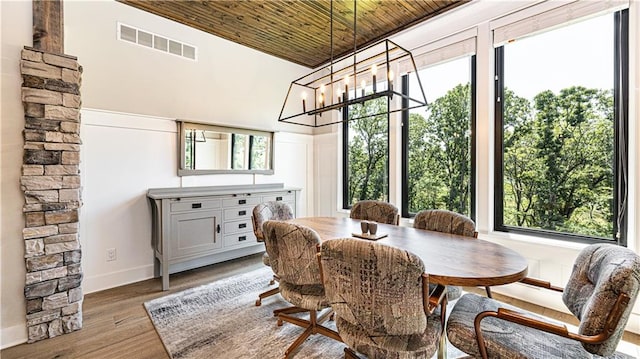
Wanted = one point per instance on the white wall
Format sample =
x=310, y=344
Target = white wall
x=15, y=22
x=229, y=84
x=123, y=155
x=550, y=260
x=130, y=97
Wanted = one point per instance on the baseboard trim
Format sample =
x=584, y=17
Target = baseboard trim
x=12, y=336
x=110, y=280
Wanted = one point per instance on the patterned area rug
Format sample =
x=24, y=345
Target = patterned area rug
x=220, y=320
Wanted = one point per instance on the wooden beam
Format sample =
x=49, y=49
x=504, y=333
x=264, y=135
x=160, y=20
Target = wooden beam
x=48, y=26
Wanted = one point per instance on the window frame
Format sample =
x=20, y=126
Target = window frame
x=405, y=146
x=621, y=143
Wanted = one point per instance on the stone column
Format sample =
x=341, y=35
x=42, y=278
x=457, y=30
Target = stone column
x=51, y=184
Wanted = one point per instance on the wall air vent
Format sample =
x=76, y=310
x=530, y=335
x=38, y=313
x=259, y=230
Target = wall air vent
x=161, y=43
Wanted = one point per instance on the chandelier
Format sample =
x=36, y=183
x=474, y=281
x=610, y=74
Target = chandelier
x=377, y=69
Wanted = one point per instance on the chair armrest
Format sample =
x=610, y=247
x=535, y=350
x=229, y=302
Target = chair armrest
x=255, y=229
x=523, y=319
x=319, y=258
x=515, y=317
x=431, y=300
x=541, y=284
x=520, y=318
x=435, y=298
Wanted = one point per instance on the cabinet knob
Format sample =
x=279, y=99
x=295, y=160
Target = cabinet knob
x=218, y=228
x=196, y=205
x=242, y=238
x=242, y=225
x=242, y=213
x=242, y=201
x=278, y=198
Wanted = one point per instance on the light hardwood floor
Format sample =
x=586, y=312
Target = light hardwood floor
x=116, y=324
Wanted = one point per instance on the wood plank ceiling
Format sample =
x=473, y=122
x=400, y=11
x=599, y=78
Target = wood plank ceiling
x=295, y=30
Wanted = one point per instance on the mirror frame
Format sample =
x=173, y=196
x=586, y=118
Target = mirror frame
x=182, y=171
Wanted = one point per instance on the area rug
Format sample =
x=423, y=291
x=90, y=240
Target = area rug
x=220, y=320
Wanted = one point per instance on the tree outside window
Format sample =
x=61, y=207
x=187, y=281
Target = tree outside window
x=366, y=153
x=556, y=127
x=438, y=141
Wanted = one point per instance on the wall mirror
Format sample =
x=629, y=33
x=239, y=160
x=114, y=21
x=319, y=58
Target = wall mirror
x=210, y=149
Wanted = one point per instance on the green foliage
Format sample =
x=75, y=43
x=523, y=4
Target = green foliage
x=439, y=154
x=558, y=161
x=557, y=152
x=238, y=151
x=368, y=152
x=259, y=152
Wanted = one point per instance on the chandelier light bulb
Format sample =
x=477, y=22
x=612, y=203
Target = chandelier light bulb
x=346, y=87
x=304, y=101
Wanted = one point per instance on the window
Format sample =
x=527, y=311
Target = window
x=365, y=154
x=561, y=117
x=437, y=140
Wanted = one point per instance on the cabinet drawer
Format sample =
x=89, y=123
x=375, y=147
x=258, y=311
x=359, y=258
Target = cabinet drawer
x=238, y=213
x=191, y=205
x=284, y=196
x=238, y=226
x=241, y=201
x=239, y=239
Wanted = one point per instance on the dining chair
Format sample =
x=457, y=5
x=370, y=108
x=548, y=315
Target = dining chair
x=600, y=292
x=292, y=251
x=381, y=299
x=272, y=210
x=377, y=211
x=444, y=221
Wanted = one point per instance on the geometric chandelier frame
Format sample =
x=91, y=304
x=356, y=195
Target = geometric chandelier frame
x=352, y=80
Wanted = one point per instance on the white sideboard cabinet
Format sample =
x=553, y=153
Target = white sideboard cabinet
x=197, y=226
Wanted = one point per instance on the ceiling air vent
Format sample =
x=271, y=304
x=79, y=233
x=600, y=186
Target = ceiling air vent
x=154, y=41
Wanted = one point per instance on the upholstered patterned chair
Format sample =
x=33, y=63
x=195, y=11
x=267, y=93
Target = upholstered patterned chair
x=377, y=211
x=293, y=254
x=601, y=292
x=261, y=213
x=444, y=221
x=381, y=299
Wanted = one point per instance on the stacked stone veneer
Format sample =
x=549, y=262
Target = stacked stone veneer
x=51, y=184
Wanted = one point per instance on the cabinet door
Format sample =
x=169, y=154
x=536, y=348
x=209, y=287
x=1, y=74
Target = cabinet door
x=194, y=233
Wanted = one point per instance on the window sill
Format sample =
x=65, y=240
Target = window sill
x=504, y=238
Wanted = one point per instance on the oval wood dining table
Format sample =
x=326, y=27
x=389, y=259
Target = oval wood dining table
x=448, y=259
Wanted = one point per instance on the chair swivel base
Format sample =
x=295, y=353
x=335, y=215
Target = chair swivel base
x=288, y=310
x=266, y=294
x=312, y=326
